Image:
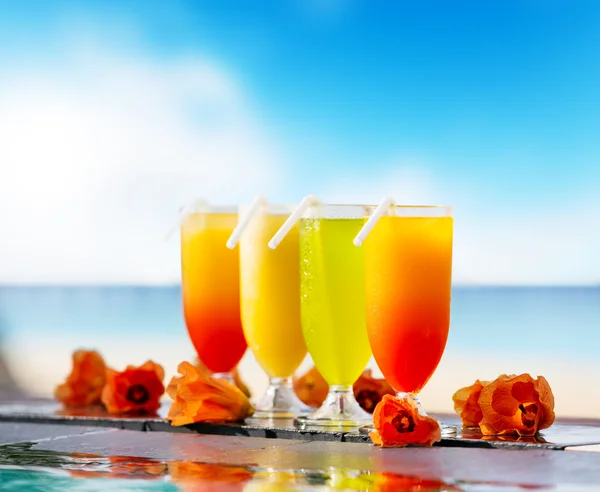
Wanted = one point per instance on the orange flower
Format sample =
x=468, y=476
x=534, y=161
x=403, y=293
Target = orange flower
x=311, y=388
x=235, y=374
x=135, y=390
x=516, y=405
x=466, y=403
x=369, y=391
x=240, y=384
x=397, y=422
x=84, y=385
x=198, y=397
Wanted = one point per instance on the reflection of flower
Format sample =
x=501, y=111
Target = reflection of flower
x=369, y=391
x=135, y=390
x=95, y=411
x=537, y=439
x=311, y=388
x=516, y=405
x=466, y=403
x=92, y=465
x=137, y=466
x=84, y=385
x=397, y=422
x=198, y=397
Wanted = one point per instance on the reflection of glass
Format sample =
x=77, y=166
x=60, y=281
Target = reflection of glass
x=273, y=480
x=328, y=478
x=408, y=270
x=270, y=300
x=210, y=288
x=333, y=308
x=194, y=476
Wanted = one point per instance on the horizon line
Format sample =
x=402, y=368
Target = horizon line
x=178, y=284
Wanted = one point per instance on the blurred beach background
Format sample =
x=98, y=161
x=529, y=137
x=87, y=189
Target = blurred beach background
x=113, y=114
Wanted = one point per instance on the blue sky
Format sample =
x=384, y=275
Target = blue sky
x=489, y=106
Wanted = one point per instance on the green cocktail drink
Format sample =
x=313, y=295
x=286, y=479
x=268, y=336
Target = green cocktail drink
x=333, y=298
x=332, y=293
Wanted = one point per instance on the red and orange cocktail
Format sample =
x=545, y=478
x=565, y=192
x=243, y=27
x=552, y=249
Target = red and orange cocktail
x=211, y=288
x=408, y=272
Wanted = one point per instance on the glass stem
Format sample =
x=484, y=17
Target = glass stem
x=282, y=383
x=227, y=376
x=414, y=397
x=340, y=392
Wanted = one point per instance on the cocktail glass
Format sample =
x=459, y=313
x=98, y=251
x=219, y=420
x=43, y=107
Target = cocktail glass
x=211, y=288
x=270, y=302
x=408, y=273
x=333, y=309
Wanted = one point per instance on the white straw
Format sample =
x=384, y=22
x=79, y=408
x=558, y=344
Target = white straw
x=258, y=202
x=183, y=211
x=380, y=211
x=287, y=226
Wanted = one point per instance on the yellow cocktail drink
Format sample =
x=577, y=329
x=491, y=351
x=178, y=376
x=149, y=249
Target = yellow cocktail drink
x=270, y=293
x=211, y=289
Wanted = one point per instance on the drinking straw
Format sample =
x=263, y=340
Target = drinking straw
x=258, y=202
x=306, y=202
x=380, y=211
x=183, y=211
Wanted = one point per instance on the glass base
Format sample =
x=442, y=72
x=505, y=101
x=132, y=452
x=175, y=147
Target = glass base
x=280, y=401
x=446, y=430
x=340, y=410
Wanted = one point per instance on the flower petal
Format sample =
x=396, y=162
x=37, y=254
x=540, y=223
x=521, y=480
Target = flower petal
x=311, y=388
x=516, y=405
x=83, y=386
x=369, y=391
x=546, y=399
x=397, y=422
x=134, y=390
x=198, y=397
x=466, y=403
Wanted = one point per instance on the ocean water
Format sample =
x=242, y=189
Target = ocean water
x=493, y=330
x=562, y=321
x=42, y=480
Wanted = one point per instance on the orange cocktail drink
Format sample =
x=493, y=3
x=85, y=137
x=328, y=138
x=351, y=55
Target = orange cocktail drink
x=408, y=271
x=211, y=288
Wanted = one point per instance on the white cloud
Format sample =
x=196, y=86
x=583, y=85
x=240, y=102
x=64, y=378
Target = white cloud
x=407, y=180
x=99, y=151
x=493, y=244
x=557, y=245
